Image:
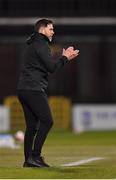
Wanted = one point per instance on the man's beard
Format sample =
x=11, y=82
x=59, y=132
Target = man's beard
x=50, y=38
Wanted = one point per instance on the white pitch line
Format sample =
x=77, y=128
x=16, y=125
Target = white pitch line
x=84, y=161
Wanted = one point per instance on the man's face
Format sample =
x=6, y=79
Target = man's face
x=49, y=31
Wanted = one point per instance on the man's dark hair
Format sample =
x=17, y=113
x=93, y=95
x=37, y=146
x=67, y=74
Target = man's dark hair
x=42, y=23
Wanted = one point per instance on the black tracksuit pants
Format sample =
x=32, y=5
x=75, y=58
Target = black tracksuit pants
x=38, y=120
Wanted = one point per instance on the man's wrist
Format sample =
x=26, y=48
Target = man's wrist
x=65, y=59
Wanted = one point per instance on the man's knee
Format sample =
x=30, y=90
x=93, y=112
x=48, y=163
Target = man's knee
x=50, y=124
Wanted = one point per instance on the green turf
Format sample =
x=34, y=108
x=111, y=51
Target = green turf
x=63, y=147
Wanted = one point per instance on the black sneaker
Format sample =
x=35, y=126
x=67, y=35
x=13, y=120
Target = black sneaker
x=35, y=162
x=25, y=164
x=40, y=160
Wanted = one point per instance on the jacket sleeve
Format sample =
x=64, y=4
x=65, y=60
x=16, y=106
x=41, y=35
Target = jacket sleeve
x=44, y=54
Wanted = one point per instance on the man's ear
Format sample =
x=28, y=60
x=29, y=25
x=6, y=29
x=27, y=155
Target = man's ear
x=42, y=30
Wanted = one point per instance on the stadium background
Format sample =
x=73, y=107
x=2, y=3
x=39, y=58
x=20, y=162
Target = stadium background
x=83, y=91
x=89, y=25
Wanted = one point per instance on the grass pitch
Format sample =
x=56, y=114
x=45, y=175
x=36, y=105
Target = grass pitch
x=63, y=147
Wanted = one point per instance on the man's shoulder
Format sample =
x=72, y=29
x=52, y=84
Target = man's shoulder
x=40, y=43
x=39, y=40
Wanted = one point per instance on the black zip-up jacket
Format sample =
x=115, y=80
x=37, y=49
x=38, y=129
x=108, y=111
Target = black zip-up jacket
x=38, y=64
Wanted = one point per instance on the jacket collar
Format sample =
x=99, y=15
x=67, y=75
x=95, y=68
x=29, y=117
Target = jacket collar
x=44, y=37
x=37, y=35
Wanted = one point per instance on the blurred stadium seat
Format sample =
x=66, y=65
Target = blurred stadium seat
x=60, y=106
